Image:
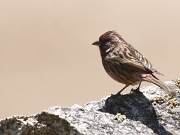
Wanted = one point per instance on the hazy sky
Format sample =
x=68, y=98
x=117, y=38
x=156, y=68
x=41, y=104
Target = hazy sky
x=46, y=54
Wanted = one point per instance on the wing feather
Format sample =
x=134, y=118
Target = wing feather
x=130, y=58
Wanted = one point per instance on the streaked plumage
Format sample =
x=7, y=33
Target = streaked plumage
x=125, y=64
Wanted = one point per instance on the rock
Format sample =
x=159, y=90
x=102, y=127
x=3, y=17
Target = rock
x=150, y=112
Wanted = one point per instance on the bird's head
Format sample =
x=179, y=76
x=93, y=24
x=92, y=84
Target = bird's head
x=108, y=41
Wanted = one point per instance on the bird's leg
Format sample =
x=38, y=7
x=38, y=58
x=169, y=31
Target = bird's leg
x=138, y=86
x=119, y=93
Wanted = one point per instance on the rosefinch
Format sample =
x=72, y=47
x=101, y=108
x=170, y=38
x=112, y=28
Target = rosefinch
x=125, y=64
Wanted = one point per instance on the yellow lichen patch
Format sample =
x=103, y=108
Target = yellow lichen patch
x=173, y=102
x=119, y=117
x=157, y=99
x=178, y=83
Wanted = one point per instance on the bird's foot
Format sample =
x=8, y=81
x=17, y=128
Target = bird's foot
x=135, y=90
x=117, y=95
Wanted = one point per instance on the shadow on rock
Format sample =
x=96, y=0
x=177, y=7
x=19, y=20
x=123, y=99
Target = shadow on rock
x=137, y=107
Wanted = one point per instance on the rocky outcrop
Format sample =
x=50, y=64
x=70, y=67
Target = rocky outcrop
x=149, y=112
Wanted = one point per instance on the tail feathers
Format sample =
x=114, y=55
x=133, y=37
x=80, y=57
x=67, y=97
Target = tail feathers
x=159, y=83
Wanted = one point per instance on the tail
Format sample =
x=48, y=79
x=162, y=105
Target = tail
x=152, y=79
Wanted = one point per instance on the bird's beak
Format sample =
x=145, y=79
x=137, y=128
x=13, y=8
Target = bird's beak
x=97, y=43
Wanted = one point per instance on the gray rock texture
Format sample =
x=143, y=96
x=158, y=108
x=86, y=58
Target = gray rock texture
x=148, y=112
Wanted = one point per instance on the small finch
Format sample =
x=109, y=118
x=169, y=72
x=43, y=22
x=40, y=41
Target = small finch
x=125, y=64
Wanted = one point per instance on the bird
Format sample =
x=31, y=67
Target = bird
x=123, y=63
